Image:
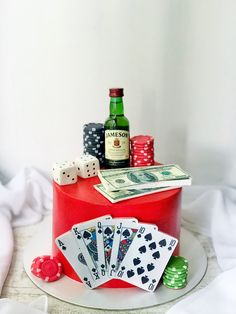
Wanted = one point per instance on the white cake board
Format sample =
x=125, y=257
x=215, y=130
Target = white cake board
x=74, y=292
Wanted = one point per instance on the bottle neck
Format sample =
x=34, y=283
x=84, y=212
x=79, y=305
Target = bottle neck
x=116, y=106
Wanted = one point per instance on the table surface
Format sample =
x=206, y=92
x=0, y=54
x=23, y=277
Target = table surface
x=19, y=287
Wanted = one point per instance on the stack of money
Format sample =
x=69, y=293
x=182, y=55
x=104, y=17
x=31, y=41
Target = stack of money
x=120, y=184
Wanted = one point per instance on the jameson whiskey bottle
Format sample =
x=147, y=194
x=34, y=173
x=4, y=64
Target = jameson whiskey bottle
x=116, y=132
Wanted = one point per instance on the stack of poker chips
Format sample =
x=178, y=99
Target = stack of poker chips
x=175, y=273
x=94, y=140
x=142, y=151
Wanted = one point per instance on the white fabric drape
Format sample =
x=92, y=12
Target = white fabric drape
x=24, y=200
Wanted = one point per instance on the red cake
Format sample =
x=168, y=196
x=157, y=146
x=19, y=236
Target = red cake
x=79, y=202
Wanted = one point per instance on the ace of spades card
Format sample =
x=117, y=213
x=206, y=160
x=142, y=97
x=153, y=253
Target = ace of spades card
x=85, y=235
x=69, y=248
x=125, y=233
x=105, y=238
x=147, y=258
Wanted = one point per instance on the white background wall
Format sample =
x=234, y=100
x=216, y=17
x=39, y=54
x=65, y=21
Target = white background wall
x=175, y=60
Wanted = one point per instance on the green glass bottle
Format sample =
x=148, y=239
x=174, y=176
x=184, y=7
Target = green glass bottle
x=116, y=132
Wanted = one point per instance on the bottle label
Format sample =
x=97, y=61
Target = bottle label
x=116, y=145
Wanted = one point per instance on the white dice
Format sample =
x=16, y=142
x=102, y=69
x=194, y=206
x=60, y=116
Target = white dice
x=64, y=173
x=87, y=166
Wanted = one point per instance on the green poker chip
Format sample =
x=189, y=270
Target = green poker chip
x=177, y=263
x=174, y=282
x=183, y=279
x=175, y=276
x=177, y=286
x=175, y=273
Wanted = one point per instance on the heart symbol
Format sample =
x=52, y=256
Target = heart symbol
x=162, y=243
x=130, y=273
x=136, y=261
x=126, y=233
x=150, y=266
x=142, y=249
x=148, y=237
x=156, y=255
x=86, y=235
x=152, y=246
x=144, y=279
x=140, y=270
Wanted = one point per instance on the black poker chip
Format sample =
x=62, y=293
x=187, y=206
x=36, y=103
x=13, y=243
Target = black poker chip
x=94, y=140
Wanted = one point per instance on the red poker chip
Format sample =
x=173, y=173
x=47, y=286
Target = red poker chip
x=142, y=139
x=144, y=149
x=142, y=157
x=48, y=268
x=138, y=165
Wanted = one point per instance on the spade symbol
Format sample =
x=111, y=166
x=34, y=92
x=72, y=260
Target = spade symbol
x=162, y=243
x=152, y=246
x=156, y=255
x=87, y=235
x=108, y=231
x=118, y=231
x=136, y=261
x=150, y=266
x=142, y=249
x=140, y=270
x=126, y=233
x=100, y=231
x=130, y=273
x=144, y=279
x=148, y=237
x=63, y=248
x=78, y=236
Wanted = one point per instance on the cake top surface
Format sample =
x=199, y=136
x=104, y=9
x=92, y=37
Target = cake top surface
x=84, y=191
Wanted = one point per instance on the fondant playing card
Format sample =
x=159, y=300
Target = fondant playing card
x=147, y=258
x=105, y=238
x=125, y=232
x=69, y=248
x=85, y=235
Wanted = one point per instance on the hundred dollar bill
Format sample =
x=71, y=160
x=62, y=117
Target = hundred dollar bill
x=143, y=177
x=121, y=195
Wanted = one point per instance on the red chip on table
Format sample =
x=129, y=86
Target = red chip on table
x=142, y=139
x=142, y=150
x=47, y=267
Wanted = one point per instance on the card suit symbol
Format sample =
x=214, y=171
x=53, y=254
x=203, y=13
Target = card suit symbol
x=93, y=270
x=142, y=249
x=108, y=231
x=81, y=259
x=150, y=266
x=79, y=236
x=100, y=231
x=126, y=233
x=136, y=261
x=118, y=231
x=113, y=266
x=102, y=266
x=156, y=255
x=144, y=279
x=130, y=273
x=139, y=235
x=169, y=248
x=123, y=268
x=86, y=235
x=140, y=270
x=152, y=246
x=148, y=237
x=63, y=248
x=154, y=280
x=162, y=243
x=85, y=279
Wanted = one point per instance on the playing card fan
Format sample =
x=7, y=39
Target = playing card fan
x=122, y=248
